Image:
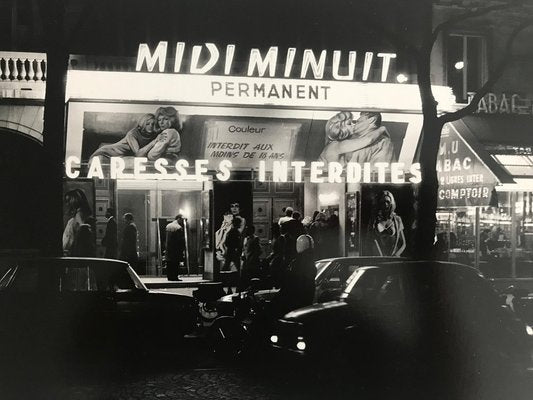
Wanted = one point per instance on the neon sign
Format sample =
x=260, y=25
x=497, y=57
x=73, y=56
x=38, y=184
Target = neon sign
x=263, y=65
x=282, y=171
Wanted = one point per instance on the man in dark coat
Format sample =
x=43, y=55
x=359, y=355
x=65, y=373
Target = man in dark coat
x=110, y=239
x=233, y=245
x=250, y=255
x=128, y=249
x=292, y=229
x=175, y=247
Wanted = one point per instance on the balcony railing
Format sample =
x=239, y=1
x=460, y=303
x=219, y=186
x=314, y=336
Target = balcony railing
x=22, y=75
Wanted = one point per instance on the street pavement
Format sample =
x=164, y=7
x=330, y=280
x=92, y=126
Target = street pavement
x=188, y=370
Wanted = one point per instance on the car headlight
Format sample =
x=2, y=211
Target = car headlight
x=529, y=330
x=274, y=338
x=300, y=344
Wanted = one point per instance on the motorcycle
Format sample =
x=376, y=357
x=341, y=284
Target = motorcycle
x=243, y=334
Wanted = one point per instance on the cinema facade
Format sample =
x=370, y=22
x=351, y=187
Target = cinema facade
x=257, y=139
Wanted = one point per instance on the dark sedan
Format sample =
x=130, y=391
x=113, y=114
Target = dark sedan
x=87, y=303
x=330, y=280
x=405, y=314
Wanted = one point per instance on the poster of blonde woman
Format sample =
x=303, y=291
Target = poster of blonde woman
x=387, y=215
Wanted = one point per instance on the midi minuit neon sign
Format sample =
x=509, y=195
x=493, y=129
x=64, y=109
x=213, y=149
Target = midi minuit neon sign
x=261, y=65
x=319, y=172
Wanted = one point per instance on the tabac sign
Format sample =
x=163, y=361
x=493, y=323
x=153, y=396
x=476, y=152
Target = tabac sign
x=463, y=178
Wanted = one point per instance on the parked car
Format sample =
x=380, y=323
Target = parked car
x=330, y=281
x=245, y=318
x=87, y=303
x=402, y=314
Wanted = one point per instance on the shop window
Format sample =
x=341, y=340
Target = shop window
x=465, y=64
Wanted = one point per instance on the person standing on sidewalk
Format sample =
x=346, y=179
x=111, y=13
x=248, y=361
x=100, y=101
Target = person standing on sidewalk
x=175, y=247
x=110, y=239
x=128, y=249
x=250, y=256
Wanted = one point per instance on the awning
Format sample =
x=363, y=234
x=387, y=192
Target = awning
x=481, y=154
x=508, y=141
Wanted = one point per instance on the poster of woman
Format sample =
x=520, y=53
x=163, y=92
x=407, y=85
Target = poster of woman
x=387, y=217
x=79, y=234
x=154, y=136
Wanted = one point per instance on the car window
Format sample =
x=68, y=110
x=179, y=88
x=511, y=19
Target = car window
x=321, y=267
x=341, y=273
x=77, y=279
x=377, y=286
x=98, y=278
x=26, y=279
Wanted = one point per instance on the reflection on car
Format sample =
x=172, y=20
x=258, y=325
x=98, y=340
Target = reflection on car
x=408, y=313
x=84, y=301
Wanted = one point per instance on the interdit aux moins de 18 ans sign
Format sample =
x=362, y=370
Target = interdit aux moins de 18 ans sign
x=204, y=59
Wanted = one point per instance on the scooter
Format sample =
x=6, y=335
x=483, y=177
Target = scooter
x=243, y=334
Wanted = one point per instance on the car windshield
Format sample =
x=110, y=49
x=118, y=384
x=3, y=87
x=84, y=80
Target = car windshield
x=106, y=277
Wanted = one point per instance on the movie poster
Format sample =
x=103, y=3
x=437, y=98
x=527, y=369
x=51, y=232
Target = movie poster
x=175, y=132
x=79, y=222
x=387, y=220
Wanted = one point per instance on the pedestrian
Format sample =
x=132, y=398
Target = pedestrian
x=287, y=216
x=298, y=287
x=251, y=253
x=232, y=258
x=318, y=231
x=483, y=239
x=293, y=228
x=175, y=247
x=129, y=249
x=110, y=239
x=276, y=259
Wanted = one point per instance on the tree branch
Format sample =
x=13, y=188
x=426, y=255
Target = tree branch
x=494, y=77
x=473, y=13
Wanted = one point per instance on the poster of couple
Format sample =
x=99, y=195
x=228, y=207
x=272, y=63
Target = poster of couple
x=360, y=140
x=174, y=132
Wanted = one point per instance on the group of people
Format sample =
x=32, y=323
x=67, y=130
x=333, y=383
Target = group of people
x=79, y=235
x=155, y=136
x=290, y=265
x=237, y=246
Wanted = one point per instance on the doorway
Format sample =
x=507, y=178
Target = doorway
x=155, y=204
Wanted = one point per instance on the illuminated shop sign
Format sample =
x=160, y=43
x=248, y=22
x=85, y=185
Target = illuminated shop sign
x=208, y=57
x=282, y=171
x=504, y=103
x=463, y=179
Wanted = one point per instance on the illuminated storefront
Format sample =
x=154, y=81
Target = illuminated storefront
x=486, y=194
x=258, y=141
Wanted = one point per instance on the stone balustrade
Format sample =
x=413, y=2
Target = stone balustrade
x=22, y=75
x=17, y=66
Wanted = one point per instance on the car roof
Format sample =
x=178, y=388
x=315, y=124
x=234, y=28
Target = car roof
x=428, y=264
x=379, y=259
x=46, y=261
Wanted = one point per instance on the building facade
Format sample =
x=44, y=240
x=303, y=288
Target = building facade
x=272, y=98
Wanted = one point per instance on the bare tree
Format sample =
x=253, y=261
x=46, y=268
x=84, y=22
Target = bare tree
x=58, y=41
x=433, y=122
